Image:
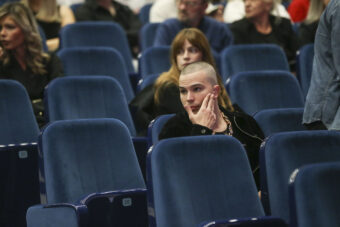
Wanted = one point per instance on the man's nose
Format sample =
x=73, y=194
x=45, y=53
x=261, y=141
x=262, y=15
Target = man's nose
x=190, y=97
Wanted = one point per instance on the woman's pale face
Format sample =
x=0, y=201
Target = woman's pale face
x=11, y=35
x=188, y=54
x=257, y=8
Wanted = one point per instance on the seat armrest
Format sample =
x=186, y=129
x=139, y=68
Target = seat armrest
x=266, y=221
x=56, y=215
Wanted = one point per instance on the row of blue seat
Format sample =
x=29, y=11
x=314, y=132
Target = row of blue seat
x=190, y=180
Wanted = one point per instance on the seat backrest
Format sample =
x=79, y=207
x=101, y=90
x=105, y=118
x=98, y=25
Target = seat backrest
x=280, y=120
x=156, y=126
x=77, y=97
x=282, y=153
x=147, y=35
x=148, y=80
x=86, y=156
x=252, y=57
x=144, y=13
x=155, y=60
x=304, y=65
x=200, y=178
x=75, y=6
x=97, y=34
x=17, y=120
x=258, y=90
x=96, y=61
x=314, y=195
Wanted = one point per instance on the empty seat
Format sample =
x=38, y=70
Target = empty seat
x=98, y=34
x=198, y=179
x=280, y=120
x=77, y=97
x=282, y=153
x=147, y=35
x=92, y=176
x=259, y=90
x=19, y=132
x=155, y=60
x=314, y=195
x=144, y=13
x=96, y=61
x=155, y=128
x=305, y=66
x=252, y=57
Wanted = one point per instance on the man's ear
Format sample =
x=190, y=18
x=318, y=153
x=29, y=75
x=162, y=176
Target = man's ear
x=216, y=90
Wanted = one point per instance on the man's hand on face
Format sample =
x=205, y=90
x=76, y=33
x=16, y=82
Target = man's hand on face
x=207, y=114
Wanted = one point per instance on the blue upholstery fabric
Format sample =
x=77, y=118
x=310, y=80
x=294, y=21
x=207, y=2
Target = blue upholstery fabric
x=87, y=97
x=147, y=35
x=148, y=80
x=280, y=120
x=65, y=216
x=96, y=61
x=252, y=57
x=87, y=156
x=258, y=90
x=155, y=60
x=97, y=34
x=156, y=127
x=18, y=124
x=201, y=178
x=282, y=153
x=305, y=66
x=144, y=13
x=315, y=195
x=19, y=131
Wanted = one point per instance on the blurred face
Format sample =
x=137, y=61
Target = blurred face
x=193, y=88
x=11, y=35
x=188, y=54
x=191, y=11
x=257, y=8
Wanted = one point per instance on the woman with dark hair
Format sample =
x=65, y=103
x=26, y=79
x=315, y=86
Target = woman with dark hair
x=22, y=57
x=190, y=45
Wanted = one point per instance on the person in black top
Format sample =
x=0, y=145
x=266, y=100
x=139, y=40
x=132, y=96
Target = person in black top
x=259, y=26
x=22, y=57
x=109, y=10
x=203, y=115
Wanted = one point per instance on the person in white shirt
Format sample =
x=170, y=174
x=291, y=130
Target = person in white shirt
x=234, y=11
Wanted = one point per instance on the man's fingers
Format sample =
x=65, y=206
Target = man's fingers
x=205, y=101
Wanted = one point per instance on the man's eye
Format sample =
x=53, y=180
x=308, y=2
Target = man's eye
x=182, y=91
x=197, y=89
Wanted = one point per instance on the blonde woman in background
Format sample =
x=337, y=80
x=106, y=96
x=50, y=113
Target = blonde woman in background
x=307, y=29
x=23, y=58
x=51, y=17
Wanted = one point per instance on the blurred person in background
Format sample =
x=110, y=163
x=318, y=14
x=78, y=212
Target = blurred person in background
x=51, y=17
x=191, y=13
x=307, y=28
x=23, y=58
x=259, y=26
